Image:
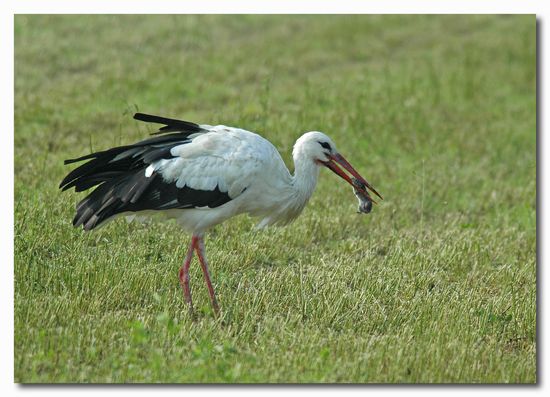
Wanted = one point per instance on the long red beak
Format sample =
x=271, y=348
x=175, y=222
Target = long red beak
x=332, y=165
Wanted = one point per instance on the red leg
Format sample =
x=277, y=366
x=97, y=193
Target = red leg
x=199, y=246
x=184, y=274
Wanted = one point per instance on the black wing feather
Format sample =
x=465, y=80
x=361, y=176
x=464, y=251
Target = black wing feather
x=122, y=186
x=170, y=125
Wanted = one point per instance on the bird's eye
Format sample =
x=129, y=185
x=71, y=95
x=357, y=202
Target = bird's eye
x=326, y=145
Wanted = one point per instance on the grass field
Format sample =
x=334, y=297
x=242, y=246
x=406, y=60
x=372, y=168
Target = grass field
x=437, y=284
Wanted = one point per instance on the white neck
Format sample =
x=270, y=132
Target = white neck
x=293, y=198
x=306, y=173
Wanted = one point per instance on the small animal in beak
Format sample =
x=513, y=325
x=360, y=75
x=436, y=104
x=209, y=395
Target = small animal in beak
x=365, y=202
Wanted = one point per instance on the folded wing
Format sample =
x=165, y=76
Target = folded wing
x=185, y=166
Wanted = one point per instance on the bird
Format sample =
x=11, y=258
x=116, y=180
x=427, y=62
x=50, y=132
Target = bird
x=201, y=175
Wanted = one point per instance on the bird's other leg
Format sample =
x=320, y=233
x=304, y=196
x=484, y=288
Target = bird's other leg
x=184, y=274
x=204, y=265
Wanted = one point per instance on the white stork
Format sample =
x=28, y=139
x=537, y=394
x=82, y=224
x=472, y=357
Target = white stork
x=202, y=175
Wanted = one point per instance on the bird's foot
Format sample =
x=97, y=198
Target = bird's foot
x=192, y=313
x=216, y=307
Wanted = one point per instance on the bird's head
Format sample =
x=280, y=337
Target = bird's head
x=320, y=149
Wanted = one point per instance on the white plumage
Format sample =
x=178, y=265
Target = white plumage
x=202, y=175
x=246, y=166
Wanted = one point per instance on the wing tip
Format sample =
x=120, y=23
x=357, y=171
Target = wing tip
x=142, y=116
x=170, y=125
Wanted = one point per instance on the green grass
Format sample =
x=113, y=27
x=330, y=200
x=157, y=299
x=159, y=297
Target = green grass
x=438, y=284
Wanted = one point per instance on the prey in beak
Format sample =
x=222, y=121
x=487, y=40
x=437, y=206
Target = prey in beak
x=360, y=186
x=365, y=202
